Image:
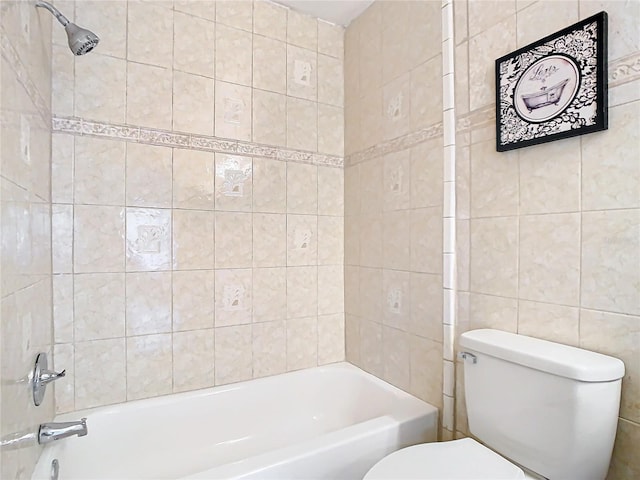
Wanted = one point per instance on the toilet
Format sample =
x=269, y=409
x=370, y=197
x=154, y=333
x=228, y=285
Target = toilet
x=541, y=410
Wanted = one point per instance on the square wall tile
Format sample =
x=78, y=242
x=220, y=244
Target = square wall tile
x=331, y=191
x=302, y=292
x=99, y=171
x=99, y=306
x=302, y=240
x=105, y=95
x=192, y=37
x=193, y=102
x=233, y=297
x=233, y=182
x=302, y=188
x=235, y=13
x=233, y=55
x=269, y=240
x=233, y=240
x=148, y=303
x=269, y=118
x=98, y=239
x=269, y=64
x=149, y=172
x=148, y=239
x=150, y=32
x=233, y=111
x=233, y=354
x=145, y=354
x=193, y=240
x=149, y=95
x=302, y=124
x=269, y=348
x=302, y=343
x=193, y=300
x=193, y=360
x=193, y=179
x=270, y=20
x=91, y=357
x=269, y=294
x=269, y=185
x=302, y=30
x=331, y=338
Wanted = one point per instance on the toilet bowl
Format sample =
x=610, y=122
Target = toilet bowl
x=543, y=410
x=463, y=459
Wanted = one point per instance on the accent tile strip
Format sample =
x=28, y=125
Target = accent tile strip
x=166, y=138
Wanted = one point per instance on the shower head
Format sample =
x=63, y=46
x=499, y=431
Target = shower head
x=81, y=40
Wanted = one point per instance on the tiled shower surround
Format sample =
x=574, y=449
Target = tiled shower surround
x=197, y=189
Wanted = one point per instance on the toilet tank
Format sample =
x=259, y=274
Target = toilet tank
x=551, y=408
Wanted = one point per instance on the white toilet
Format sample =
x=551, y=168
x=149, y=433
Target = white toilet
x=548, y=410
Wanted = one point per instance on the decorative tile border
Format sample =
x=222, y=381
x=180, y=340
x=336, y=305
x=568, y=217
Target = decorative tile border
x=624, y=70
x=10, y=54
x=395, y=145
x=167, y=138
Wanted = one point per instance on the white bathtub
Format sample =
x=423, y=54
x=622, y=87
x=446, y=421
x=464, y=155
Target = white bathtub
x=328, y=422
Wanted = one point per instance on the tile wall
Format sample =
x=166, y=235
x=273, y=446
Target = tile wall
x=25, y=226
x=394, y=195
x=197, y=189
x=549, y=236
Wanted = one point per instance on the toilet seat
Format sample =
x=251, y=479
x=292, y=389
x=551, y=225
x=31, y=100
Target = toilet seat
x=463, y=459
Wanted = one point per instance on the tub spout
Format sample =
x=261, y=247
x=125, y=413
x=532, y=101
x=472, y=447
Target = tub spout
x=50, y=432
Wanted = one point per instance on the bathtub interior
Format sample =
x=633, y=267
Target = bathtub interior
x=179, y=435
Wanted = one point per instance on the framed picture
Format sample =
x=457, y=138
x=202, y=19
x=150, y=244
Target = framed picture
x=554, y=88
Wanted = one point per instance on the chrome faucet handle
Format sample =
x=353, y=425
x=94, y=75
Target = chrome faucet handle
x=43, y=376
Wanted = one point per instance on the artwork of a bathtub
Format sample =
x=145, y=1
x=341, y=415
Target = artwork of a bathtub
x=329, y=422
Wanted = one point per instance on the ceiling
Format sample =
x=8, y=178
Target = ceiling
x=340, y=12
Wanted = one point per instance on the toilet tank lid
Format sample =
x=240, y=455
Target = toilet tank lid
x=550, y=357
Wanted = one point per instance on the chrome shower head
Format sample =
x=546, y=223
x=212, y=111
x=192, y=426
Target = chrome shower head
x=81, y=40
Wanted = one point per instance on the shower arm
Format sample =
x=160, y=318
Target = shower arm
x=56, y=13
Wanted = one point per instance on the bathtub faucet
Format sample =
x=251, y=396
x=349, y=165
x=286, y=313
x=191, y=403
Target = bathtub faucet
x=50, y=432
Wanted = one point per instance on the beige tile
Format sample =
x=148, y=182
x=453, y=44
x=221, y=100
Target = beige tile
x=62, y=78
x=148, y=175
x=198, y=8
x=233, y=297
x=610, y=167
x=555, y=323
x=331, y=191
x=233, y=182
x=193, y=300
x=397, y=357
x=372, y=119
x=104, y=96
x=193, y=179
x=544, y=18
x=330, y=289
x=99, y=171
x=616, y=335
x=63, y=359
x=425, y=180
x=233, y=347
x=235, y=13
x=463, y=182
x=193, y=360
x=371, y=347
x=461, y=77
x=94, y=229
x=549, y=263
x=302, y=343
x=269, y=240
x=302, y=240
x=396, y=112
x=302, y=188
x=425, y=229
x=485, y=14
x=193, y=295
x=192, y=103
x=269, y=294
x=91, y=357
x=269, y=348
x=372, y=297
x=426, y=107
x=61, y=238
x=148, y=303
x=624, y=463
x=494, y=42
x=233, y=240
x=610, y=257
x=395, y=37
x=233, y=111
x=424, y=31
x=148, y=239
x=352, y=231
x=331, y=39
x=396, y=181
x=193, y=240
x=330, y=240
x=369, y=245
x=99, y=306
x=425, y=305
x=550, y=177
x=302, y=292
x=150, y=32
x=270, y=20
x=330, y=81
x=352, y=339
x=624, y=39
x=149, y=353
x=494, y=181
x=371, y=187
x=149, y=95
x=396, y=239
x=233, y=55
x=62, y=308
x=192, y=38
x=330, y=130
x=269, y=118
x=396, y=299
x=269, y=64
x=269, y=185
x=302, y=30
x=331, y=338
x=494, y=256
x=487, y=311
x=463, y=254
x=302, y=124
x=62, y=156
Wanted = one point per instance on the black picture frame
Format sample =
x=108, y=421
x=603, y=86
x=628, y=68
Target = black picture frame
x=554, y=88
